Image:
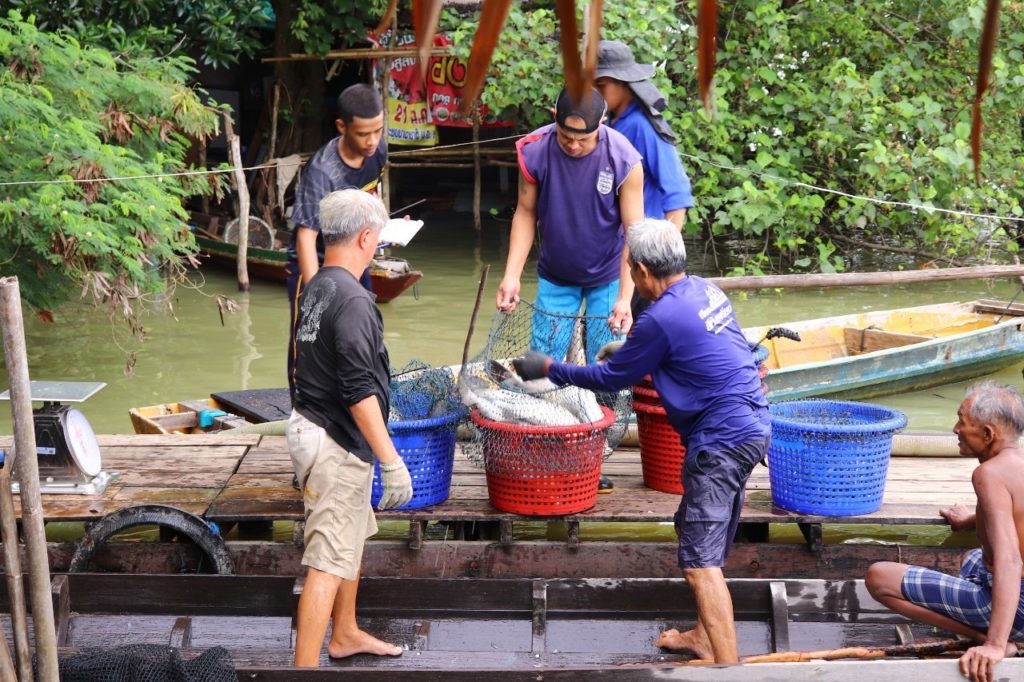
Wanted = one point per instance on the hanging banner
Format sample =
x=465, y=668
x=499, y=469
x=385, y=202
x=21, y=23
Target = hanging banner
x=405, y=103
x=445, y=79
x=414, y=113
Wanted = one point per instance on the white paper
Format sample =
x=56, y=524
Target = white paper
x=400, y=231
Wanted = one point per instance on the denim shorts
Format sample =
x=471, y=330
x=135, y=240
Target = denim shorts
x=966, y=599
x=714, y=484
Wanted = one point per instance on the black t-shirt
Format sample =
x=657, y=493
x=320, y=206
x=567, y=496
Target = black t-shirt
x=341, y=358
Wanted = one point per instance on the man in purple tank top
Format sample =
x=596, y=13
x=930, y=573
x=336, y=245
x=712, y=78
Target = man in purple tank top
x=581, y=184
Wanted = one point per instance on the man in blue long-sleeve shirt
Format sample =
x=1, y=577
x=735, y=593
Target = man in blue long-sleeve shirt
x=690, y=343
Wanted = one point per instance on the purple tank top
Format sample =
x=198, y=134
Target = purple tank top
x=578, y=216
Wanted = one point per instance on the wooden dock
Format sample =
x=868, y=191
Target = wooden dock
x=230, y=479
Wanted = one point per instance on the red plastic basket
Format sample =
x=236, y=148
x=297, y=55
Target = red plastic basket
x=543, y=470
x=661, y=449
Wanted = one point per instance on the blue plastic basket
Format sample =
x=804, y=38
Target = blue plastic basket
x=428, y=448
x=830, y=457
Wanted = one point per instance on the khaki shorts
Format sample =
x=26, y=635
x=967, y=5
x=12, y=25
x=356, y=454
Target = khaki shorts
x=336, y=488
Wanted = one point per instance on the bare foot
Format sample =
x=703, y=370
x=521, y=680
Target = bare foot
x=685, y=641
x=360, y=643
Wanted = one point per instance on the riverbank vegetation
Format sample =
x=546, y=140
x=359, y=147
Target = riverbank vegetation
x=72, y=120
x=868, y=99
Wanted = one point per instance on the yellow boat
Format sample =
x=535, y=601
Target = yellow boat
x=879, y=353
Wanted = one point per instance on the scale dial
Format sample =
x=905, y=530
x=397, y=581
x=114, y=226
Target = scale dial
x=81, y=442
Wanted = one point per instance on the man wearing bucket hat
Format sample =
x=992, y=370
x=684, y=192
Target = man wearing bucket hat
x=338, y=428
x=691, y=344
x=582, y=184
x=636, y=104
x=986, y=601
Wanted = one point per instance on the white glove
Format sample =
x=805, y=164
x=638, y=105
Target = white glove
x=397, y=484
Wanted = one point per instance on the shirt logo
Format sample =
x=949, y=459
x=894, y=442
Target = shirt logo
x=605, y=180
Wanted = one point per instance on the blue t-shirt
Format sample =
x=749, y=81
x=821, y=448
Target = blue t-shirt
x=691, y=344
x=327, y=172
x=666, y=185
x=581, y=237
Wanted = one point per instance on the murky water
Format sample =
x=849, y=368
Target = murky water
x=195, y=353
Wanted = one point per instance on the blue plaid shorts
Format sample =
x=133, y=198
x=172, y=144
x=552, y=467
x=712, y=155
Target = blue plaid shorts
x=966, y=599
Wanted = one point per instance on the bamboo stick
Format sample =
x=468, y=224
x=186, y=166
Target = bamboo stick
x=13, y=574
x=473, y=316
x=931, y=648
x=359, y=53
x=849, y=279
x=27, y=472
x=7, y=673
x=476, y=169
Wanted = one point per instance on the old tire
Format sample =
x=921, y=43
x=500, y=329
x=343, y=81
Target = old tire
x=184, y=523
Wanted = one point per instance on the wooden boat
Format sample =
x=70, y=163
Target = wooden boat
x=188, y=416
x=390, y=276
x=502, y=629
x=871, y=354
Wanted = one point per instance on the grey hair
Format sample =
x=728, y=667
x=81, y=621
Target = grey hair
x=994, y=403
x=657, y=245
x=346, y=212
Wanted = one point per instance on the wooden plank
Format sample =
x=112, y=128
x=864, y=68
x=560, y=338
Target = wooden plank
x=999, y=308
x=869, y=340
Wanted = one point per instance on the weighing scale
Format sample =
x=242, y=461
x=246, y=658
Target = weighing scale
x=66, y=447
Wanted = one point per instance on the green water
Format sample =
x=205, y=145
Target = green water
x=192, y=353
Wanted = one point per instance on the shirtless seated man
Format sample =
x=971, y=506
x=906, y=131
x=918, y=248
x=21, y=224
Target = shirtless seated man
x=985, y=602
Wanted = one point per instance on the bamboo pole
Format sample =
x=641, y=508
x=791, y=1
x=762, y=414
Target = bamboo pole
x=473, y=316
x=476, y=168
x=932, y=648
x=13, y=574
x=850, y=279
x=27, y=474
x=235, y=156
x=359, y=53
x=7, y=672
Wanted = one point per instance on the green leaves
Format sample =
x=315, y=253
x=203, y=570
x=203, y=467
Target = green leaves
x=81, y=130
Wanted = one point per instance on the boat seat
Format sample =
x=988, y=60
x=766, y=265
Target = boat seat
x=870, y=339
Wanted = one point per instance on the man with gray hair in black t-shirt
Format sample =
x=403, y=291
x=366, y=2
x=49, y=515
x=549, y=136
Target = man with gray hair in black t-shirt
x=338, y=426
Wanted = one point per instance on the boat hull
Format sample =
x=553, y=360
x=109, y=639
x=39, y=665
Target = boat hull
x=985, y=346
x=272, y=266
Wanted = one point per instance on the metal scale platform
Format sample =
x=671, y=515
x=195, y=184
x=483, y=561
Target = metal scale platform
x=66, y=447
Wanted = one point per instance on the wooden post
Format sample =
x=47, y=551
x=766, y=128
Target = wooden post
x=235, y=156
x=476, y=167
x=27, y=474
x=12, y=573
x=204, y=201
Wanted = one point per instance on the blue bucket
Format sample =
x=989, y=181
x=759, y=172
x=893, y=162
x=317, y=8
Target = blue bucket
x=427, y=447
x=829, y=457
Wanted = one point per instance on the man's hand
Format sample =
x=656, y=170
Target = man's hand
x=959, y=517
x=532, y=366
x=621, y=318
x=605, y=353
x=979, y=663
x=397, y=484
x=508, y=294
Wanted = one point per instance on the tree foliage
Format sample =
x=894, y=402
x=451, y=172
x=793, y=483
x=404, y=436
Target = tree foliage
x=870, y=99
x=220, y=31
x=73, y=122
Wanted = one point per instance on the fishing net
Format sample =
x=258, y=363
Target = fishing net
x=146, y=663
x=527, y=426
x=419, y=391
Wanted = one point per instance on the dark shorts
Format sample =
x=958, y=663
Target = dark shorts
x=714, y=483
x=966, y=599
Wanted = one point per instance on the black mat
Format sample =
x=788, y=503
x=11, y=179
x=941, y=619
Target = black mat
x=258, y=405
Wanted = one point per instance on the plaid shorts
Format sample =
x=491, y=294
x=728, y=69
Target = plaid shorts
x=966, y=599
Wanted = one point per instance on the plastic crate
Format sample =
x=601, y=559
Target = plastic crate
x=830, y=457
x=542, y=470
